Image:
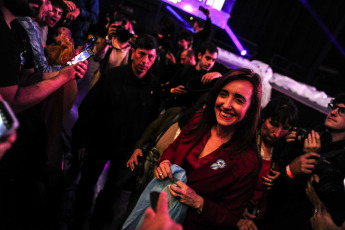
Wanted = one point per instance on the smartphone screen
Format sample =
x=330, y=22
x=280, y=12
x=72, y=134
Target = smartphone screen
x=8, y=121
x=86, y=54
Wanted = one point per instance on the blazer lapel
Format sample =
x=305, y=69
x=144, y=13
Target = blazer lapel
x=218, y=165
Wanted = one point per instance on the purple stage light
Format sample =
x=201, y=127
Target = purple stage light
x=244, y=52
x=219, y=18
x=237, y=43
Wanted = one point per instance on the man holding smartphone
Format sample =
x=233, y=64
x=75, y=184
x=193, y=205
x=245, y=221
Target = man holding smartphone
x=21, y=167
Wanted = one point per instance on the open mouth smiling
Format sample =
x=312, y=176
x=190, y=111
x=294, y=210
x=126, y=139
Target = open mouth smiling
x=225, y=115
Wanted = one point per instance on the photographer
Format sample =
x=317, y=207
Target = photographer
x=323, y=156
x=276, y=120
x=114, y=49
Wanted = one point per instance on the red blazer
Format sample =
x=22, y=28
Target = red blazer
x=226, y=191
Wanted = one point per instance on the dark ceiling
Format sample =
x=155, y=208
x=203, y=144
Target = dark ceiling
x=283, y=34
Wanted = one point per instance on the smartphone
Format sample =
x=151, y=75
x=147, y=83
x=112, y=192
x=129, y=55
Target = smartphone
x=203, y=9
x=86, y=54
x=8, y=121
x=154, y=199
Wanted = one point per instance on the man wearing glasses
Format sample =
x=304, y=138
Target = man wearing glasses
x=296, y=203
x=335, y=126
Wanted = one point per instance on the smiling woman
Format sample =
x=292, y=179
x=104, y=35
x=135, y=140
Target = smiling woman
x=218, y=151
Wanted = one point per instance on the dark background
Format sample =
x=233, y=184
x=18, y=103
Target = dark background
x=281, y=33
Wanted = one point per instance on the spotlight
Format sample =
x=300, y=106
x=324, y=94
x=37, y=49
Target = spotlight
x=235, y=40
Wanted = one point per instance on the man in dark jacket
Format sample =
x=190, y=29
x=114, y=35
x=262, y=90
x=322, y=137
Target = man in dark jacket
x=111, y=119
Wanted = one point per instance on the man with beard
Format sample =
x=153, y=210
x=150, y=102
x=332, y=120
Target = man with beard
x=21, y=167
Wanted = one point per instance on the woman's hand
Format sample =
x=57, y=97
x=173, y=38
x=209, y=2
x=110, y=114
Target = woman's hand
x=246, y=224
x=312, y=143
x=133, y=161
x=187, y=195
x=163, y=170
x=268, y=180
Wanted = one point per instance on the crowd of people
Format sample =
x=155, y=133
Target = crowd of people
x=159, y=115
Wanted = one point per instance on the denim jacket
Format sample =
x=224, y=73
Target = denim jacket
x=177, y=210
x=41, y=63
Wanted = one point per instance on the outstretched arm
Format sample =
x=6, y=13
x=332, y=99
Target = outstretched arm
x=24, y=97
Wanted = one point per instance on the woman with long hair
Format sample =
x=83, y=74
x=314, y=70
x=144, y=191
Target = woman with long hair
x=219, y=153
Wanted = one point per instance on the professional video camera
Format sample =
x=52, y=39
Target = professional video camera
x=330, y=189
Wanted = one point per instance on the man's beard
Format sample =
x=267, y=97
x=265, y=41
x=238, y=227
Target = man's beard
x=22, y=8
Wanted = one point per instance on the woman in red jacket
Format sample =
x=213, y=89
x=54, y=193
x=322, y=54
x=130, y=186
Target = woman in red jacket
x=218, y=150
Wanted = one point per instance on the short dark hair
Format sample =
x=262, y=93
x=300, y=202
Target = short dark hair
x=281, y=109
x=186, y=35
x=146, y=41
x=209, y=46
x=59, y=4
x=340, y=98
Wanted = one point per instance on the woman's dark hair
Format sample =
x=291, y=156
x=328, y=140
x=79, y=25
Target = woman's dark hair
x=281, y=109
x=245, y=134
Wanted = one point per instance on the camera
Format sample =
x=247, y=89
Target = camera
x=330, y=188
x=122, y=34
x=302, y=134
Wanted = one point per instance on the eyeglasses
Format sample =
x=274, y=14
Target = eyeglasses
x=341, y=110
